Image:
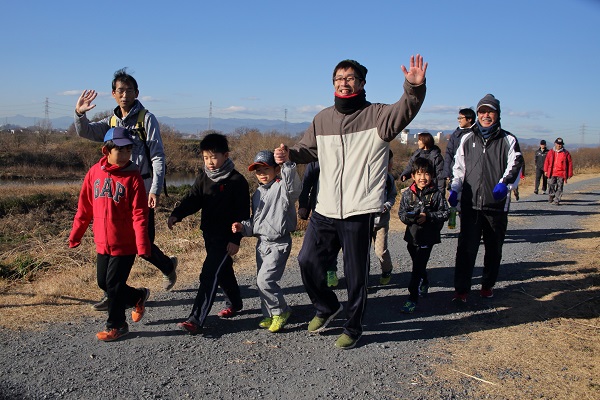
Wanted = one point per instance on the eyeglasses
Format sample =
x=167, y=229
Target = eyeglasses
x=459, y=118
x=128, y=91
x=348, y=79
x=486, y=112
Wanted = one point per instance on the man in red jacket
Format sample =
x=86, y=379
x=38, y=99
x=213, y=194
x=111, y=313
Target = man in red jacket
x=558, y=168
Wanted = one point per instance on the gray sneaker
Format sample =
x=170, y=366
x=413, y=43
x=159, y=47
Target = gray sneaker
x=169, y=280
x=102, y=305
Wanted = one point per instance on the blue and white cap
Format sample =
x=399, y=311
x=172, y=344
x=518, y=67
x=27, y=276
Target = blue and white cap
x=265, y=158
x=119, y=135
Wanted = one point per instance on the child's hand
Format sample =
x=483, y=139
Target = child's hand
x=236, y=227
x=421, y=218
x=303, y=213
x=172, y=221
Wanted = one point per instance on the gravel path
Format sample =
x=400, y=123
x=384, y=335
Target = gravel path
x=235, y=359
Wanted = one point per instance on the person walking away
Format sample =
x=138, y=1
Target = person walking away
x=307, y=203
x=540, y=159
x=486, y=165
x=558, y=167
x=113, y=196
x=222, y=195
x=424, y=210
x=272, y=221
x=147, y=154
x=351, y=141
x=381, y=226
x=429, y=150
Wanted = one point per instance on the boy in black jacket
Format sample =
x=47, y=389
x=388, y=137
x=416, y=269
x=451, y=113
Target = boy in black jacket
x=223, y=195
x=423, y=209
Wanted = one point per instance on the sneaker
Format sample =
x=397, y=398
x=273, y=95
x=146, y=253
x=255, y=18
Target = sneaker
x=423, y=290
x=228, y=312
x=332, y=279
x=517, y=196
x=535, y=192
x=486, y=293
x=266, y=323
x=140, y=308
x=317, y=324
x=459, y=299
x=557, y=203
x=112, y=334
x=385, y=279
x=550, y=199
x=544, y=192
x=102, y=305
x=169, y=280
x=345, y=342
x=408, y=307
x=279, y=321
x=190, y=327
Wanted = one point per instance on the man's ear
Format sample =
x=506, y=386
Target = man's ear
x=105, y=151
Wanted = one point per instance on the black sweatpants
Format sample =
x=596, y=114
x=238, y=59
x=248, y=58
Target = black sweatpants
x=157, y=257
x=420, y=257
x=473, y=225
x=323, y=240
x=112, y=273
x=216, y=270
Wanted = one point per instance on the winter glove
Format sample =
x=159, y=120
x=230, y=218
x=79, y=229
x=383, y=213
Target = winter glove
x=500, y=191
x=386, y=207
x=453, y=198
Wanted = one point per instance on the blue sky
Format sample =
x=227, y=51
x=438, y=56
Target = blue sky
x=541, y=58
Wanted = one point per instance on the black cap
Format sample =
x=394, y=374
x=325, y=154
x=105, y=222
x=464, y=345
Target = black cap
x=559, y=141
x=360, y=70
x=543, y=142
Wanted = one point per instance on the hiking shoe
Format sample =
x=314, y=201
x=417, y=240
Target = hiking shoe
x=228, y=312
x=169, y=280
x=386, y=277
x=266, y=323
x=317, y=324
x=112, y=334
x=408, y=307
x=423, y=290
x=279, y=321
x=140, y=308
x=460, y=299
x=332, y=279
x=190, y=327
x=345, y=342
x=102, y=305
x=486, y=293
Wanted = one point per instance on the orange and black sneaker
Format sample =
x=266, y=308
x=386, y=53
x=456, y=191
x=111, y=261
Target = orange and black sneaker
x=140, y=307
x=112, y=334
x=190, y=327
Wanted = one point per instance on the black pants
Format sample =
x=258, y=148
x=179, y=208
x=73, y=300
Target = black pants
x=420, y=258
x=539, y=174
x=112, y=273
x=323, y=240
x=216, y=270
x=473, y=225
x=157, y=257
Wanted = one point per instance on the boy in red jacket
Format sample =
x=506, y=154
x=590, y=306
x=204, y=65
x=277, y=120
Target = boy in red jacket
x=114, y=196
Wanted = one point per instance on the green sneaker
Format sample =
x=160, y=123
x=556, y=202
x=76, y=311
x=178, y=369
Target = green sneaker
x=345, y=342
x=266, y=323
x=317, y=324
x=332, y=279
x=409, y=307
x=423, y=290
x=385, y=279
x=279, y=321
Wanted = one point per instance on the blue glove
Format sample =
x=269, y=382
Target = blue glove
x=500, y=191
x=453, y=198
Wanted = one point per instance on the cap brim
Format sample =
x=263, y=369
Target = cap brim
x=487, y=105
x=255, y=165
x=122, y=142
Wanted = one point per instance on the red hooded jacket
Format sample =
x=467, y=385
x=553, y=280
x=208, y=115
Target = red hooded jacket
x=115, y=199
x=559, y=163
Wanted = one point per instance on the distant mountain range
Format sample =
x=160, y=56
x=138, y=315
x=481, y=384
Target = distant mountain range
x=190, y=126
x=195, y=126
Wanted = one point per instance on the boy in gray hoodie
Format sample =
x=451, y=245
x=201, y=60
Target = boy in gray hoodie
x=272, y=221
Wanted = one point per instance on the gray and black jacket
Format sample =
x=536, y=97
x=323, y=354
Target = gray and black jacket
x=480, y=165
